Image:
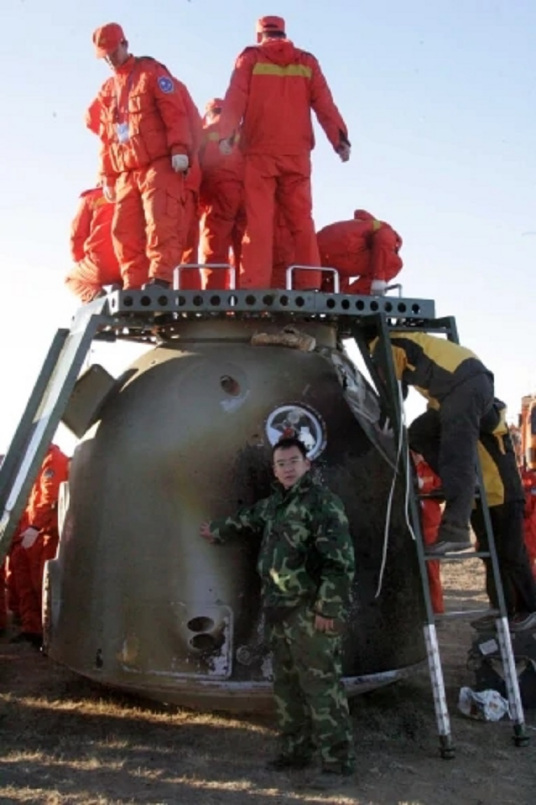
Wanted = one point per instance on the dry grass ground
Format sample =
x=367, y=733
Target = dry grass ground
x=65, y=740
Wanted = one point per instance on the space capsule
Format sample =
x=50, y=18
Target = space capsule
x=137, y=600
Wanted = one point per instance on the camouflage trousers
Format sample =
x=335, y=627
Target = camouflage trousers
x=312, y=709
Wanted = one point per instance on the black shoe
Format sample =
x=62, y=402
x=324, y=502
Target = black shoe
x=485, y=624
x=523, y=621
x=451, y=537
x=286, y=762
x=36, y=640
x=156, y=281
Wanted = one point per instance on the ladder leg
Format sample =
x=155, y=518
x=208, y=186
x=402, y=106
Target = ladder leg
x=520, y=736
x=446, y=747
x=41, y=418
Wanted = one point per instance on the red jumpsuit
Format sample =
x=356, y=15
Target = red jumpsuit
x=529, y=522
x=143, y=123
x=273, y=88
x=284, y=256
x=27, y=563
x=3, y=597
x=223, y=218
x=430, y=520
x=364, y=248
x=92, y=249
x=191, y=278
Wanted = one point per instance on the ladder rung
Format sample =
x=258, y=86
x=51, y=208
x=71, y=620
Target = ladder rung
x=464, y=613
x=457, y=557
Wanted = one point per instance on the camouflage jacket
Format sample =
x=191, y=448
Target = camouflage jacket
x=306, y=554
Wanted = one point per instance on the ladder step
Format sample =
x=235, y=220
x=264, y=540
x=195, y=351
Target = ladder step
x=457, y=557
x=465, y=613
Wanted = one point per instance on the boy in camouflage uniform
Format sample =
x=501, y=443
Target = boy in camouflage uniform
x=306, y=564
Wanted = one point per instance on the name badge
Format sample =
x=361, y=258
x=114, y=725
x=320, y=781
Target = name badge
x=121, y=129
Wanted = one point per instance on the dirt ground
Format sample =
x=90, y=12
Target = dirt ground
x=66, y=740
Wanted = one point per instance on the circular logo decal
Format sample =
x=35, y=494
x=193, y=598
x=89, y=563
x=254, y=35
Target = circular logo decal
x=296, y=420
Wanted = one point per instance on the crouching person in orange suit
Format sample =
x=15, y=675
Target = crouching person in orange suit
x=36, y=542
x=430, y=511
x=364, y=251
x=92, y=251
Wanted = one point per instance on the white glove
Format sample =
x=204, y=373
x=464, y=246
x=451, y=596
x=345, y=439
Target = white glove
x=344, y=151
x=108, y=191
x=377, y=287
x=226, y=146
x=29, y=536
x=180, y=163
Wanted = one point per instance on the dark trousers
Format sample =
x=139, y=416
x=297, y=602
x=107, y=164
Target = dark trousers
x=516, y=575
x=448, y=441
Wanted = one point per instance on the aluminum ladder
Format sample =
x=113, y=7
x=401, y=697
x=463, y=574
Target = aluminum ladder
x=383, y=373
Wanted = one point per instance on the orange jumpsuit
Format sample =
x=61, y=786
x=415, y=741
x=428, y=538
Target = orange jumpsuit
x=3, y=597
x=430, y=520
x=191, y=278
x=143, y=123
x=364, y=248
x=529, y=522
x=92, y=249
x=27, y=563
x=284, y=256
x=273, y=88
x=223, y=218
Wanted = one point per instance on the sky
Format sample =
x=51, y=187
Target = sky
x=439, y=99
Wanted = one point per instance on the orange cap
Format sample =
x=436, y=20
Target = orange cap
x=266, y=25
x=363, y=215
x=107, y=38
x=215, y=103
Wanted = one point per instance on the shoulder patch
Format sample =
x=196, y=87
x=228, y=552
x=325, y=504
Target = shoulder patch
x=49, y=473
x=165, y=83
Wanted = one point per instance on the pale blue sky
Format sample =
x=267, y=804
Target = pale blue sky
x=439, y=98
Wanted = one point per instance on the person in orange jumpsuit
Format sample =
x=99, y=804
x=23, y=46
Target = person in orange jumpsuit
x=529, y=521
x=3, y=599
x=273, y=88
x=92, y=251
x=191, y=278
x=36, y=542
x=146, y=148
x=284, y=256
x=430, y=510
x=364, y=251
x=223, y=217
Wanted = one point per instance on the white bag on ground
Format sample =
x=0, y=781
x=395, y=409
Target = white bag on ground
x=484, y=705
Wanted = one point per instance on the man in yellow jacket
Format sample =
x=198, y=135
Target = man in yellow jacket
x=460, y=389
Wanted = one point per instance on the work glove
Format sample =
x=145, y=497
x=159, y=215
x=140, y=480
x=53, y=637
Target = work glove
x=29, y=536
x=377, y=287
x=344, y=151
x=108, y=191
x=180, y=163
x=226, y=146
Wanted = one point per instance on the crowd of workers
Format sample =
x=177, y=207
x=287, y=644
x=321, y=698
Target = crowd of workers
x=233, y=187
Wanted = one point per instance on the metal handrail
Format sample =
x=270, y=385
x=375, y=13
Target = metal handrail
x=290, y=270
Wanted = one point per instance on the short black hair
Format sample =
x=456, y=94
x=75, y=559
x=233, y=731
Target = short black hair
x=287, y=442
